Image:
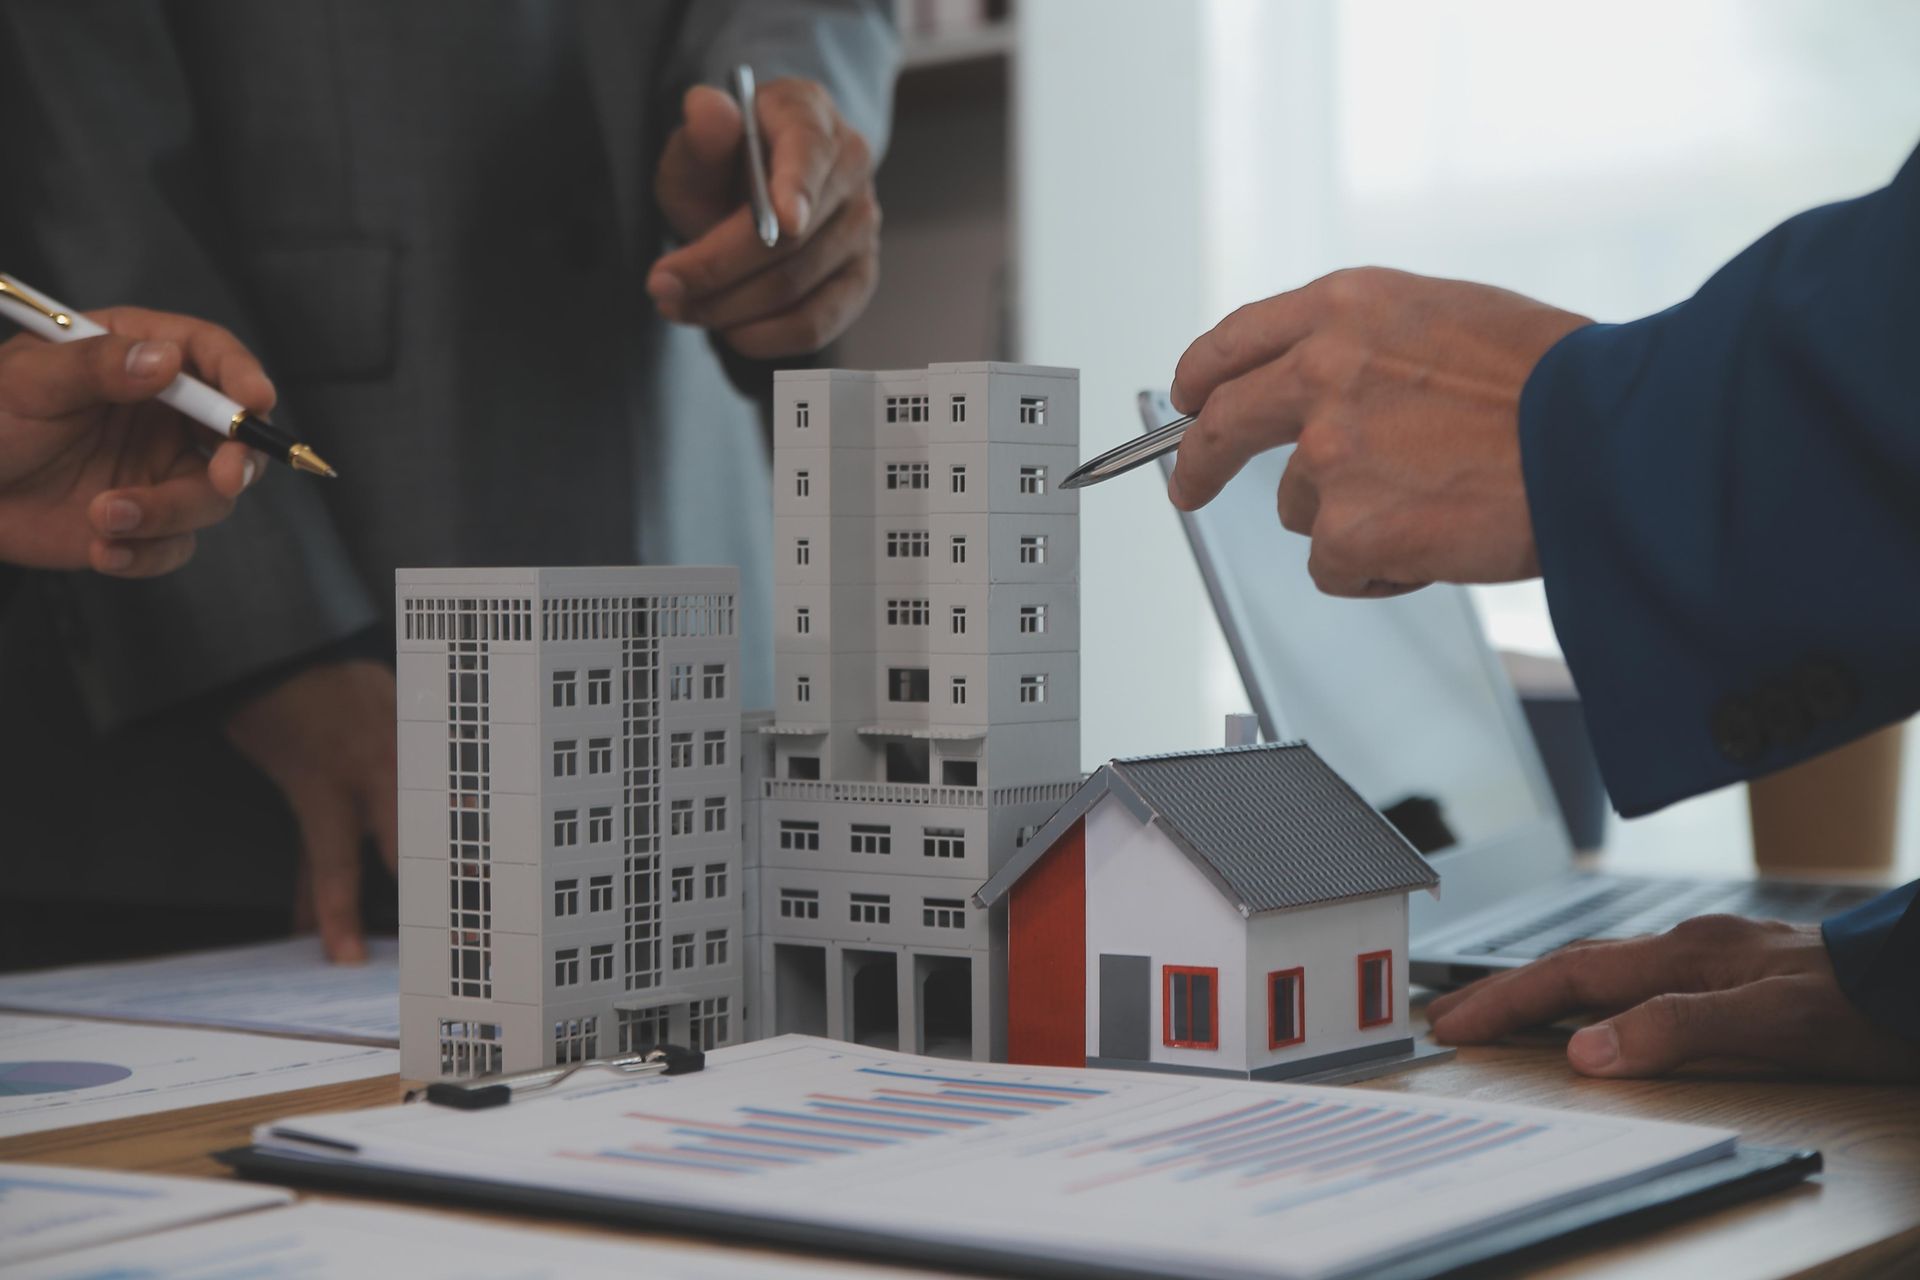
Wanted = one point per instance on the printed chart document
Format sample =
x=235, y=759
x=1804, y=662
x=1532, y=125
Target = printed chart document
x=285, y=987
x=46, y=1210
x=56, y=1072
x=1144, y=1172
x=337, y=1240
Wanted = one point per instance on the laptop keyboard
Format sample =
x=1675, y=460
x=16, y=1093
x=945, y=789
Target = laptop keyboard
x=1625, y=907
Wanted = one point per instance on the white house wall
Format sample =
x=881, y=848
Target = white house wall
x=1327, y=943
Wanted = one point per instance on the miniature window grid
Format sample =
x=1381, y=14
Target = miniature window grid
x=943, y=913
x=469, y=1048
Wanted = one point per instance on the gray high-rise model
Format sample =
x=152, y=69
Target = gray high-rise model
x=570, y=810
x=927, y=692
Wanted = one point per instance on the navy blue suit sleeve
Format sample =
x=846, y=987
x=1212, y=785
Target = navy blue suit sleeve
x=1726, y=501
x=1875, y=950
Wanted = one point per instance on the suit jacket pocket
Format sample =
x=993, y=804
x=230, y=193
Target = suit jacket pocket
x=326, y=308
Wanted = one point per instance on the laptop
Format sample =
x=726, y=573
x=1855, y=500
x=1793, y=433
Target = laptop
x=1407, y=700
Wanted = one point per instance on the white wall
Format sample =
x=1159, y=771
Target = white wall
x=1327, y=943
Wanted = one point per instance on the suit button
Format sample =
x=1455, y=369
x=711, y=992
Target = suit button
x=1826, y=688
x=1785, y=716
x=1738, y=730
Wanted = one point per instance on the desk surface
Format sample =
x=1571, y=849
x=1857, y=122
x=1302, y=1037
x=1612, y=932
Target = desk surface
x=1861, y=1218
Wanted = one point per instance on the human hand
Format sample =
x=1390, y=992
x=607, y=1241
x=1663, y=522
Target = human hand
x=325, y=738
x=801, y=294
x=93, y=470
x=1714, y=987
x=1402, y=393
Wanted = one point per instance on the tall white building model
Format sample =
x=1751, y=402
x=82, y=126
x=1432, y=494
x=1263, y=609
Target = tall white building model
x=570, y=808
x=927, y=692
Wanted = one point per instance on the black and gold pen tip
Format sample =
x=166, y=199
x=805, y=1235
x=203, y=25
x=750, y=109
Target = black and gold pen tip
x=301, y=458
x=278, y=442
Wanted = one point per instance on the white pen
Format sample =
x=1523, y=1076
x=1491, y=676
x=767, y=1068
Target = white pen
x=765, y=222
x=39, y=314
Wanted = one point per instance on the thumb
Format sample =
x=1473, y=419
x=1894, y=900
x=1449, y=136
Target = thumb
x=53, y=379
x=1669, y=1031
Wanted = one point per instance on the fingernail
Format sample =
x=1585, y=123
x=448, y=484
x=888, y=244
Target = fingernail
x=247, y=470
x=666, y=289
x=144, y=358
x=802, y=214
x=123, y=516
x=116, y=558
x=1595, y=1047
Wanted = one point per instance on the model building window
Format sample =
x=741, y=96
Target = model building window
x=1033, y=411
x=907, y=684
x=908, y=613
x=641, y=1028
x=803, y=768
x=680, y=818
x=960, y=773
x=803, y=621
x=803, y=688
x=680, y=884
x=707, y=1022
x=943, y=913
x=1189, y=1007
x=599, y=755
x=716, y=880
x=600, y=962
x=1033, y=548
x=599, y=824
x=957, y=478
x=1033, y=688
x=870, y=908
x=1376, y=988
x=713, y=814
x=564, y=690
x=803, y=836
x=943, y=842
x=1033, y=619
x=576, y=1039
x=799, y=904
x=566, y=967
x=469, y=1048
x=908, y=475
x=958, y=410
x=802, y=551
x=868, y=838
x=679, y=751
x=600, y=893
x=566, y=897
x=566, y=827
x=713, y=681
x=802, y=419
x=1033, y=481
x=958, y=620
x=599, y=687
x=958, y=549
x=908, y=544
x=959, y=691
x=680, y=683
x=802, y=484
x=906, y=408
x=566, y=758
x=716, y=946
x=682, y=951
x=1286, y=1008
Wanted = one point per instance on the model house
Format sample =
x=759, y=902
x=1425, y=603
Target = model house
x=1233, y=912
x=570, y=808
x=926, y=679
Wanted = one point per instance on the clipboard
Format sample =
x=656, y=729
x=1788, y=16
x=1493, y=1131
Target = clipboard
x=1748, y=1172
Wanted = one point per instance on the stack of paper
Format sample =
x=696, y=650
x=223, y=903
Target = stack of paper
x=45, y=1210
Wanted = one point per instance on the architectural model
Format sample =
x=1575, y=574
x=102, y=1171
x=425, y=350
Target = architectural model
x=570, y=814
x=1235, y=912
x=927, y=685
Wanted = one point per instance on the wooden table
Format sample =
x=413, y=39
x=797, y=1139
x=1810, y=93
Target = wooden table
x=1860, y=1219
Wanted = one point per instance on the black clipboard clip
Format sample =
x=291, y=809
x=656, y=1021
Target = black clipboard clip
x=497, y=1091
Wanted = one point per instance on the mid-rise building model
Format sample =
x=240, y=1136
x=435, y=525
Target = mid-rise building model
x=570, y=814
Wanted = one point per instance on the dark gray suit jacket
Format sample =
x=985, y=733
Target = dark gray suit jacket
x=433, y=218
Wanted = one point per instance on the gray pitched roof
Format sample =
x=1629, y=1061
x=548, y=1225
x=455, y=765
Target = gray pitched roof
x=1271, y=825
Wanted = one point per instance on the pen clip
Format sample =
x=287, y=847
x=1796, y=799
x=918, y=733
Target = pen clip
x=496, y=1091
x=11, y=288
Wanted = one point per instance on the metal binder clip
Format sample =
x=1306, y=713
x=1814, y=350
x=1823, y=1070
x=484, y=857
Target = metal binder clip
x=497, y=1091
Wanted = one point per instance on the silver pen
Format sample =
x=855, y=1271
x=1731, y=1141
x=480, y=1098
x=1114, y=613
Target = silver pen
x=496, y=1091
x=1136, y=452
x=764, y=220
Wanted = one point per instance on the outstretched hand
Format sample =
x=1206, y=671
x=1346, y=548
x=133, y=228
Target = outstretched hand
x=96, y=473
x=801, y=294
x=1715, y=987
x=1402, y=393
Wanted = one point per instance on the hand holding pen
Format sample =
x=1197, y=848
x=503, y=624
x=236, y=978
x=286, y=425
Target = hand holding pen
x=94, y=471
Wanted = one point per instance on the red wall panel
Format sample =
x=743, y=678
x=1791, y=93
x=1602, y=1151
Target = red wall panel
x=1047, y=957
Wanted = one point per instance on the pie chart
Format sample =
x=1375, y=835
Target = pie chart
x=57, y=1077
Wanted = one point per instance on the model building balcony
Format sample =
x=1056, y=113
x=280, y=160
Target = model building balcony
x=915, y=793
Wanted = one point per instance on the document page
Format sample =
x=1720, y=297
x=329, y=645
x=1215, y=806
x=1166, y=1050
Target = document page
x=1178, y=1175
x=285, y=987
x=46, y=1210
x=56, y=1072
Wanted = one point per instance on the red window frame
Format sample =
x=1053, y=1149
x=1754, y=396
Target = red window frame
x=1274, y=979
x=1167, y=975
x=1385, y=959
